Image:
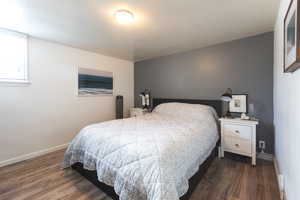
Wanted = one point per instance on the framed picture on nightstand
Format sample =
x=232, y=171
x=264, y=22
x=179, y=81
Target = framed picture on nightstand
x=239, y=103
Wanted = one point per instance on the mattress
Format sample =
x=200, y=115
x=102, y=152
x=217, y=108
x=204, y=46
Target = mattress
x=151, y=156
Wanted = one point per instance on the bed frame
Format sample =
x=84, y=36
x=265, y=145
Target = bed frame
x=92, y=175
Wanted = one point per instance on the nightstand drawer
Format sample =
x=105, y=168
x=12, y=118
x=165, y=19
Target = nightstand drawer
x=237, y=145
x=243, y=132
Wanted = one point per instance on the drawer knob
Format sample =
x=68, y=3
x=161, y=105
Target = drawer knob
x=237, y=145
x=236, y=131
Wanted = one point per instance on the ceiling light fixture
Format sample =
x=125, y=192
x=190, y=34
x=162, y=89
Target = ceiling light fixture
x=124, y=16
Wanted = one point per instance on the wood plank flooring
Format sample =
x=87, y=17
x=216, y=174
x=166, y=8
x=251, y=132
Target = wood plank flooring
x=42, y=178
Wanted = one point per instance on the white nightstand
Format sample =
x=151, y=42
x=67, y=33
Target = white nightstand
x=239, y=136
x=135, y=112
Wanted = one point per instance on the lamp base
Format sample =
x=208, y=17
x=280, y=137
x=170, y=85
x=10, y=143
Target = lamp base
x=228, y=115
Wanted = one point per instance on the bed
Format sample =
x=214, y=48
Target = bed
x=155, y=156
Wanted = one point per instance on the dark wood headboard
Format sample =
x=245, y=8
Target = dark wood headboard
x=216, y=104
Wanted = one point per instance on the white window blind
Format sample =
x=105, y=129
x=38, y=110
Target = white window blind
x=13, y=56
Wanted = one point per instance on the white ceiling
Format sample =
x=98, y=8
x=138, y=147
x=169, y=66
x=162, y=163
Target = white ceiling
x=161, y=27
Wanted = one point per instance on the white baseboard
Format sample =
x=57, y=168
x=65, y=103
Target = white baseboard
x=265, y=156
x=284, y=196
x=280, y=180
x=32, y=155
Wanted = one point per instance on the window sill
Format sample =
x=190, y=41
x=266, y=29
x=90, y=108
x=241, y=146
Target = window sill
x=14, y=83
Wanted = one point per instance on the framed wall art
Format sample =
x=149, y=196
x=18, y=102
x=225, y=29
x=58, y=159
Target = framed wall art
x=93, y=82
x=292, y=38
x=239, y=103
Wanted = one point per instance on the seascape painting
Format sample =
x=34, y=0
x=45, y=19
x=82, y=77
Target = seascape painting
x=291, y=34
x=291, y=40
x=93, y=82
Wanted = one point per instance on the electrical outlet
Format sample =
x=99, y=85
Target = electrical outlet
x=262, y=144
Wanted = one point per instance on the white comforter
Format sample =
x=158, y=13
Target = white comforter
x=148, y=157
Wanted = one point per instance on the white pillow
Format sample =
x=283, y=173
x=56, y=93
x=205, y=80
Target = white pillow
x=193, y=111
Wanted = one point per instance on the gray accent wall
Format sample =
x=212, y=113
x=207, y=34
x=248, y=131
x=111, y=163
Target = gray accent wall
x=245, y=65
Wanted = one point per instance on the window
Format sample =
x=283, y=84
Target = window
x=13, y=56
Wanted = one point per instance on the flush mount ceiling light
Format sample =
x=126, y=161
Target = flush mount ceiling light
x=124, y=16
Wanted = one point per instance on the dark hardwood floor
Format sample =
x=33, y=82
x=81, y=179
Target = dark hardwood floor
x=41, y=178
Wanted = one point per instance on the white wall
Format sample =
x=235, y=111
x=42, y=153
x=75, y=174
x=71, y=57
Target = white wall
x=286, y=114
x=47, y=112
